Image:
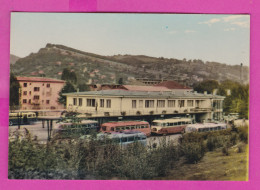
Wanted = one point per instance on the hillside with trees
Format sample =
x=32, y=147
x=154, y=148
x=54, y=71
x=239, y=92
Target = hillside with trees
x=51, y=60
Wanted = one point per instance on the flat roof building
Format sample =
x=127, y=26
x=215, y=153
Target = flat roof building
x=38, y=93
x=132, y=103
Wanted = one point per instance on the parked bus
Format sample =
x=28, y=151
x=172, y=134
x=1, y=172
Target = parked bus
x=70, y=130
x=123, y=138
x=22, y=118
x=170, y=126
x=142, y=126
x=205, y=127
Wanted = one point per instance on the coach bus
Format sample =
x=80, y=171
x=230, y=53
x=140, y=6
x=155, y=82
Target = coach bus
x=22, y=118
x=70, y=130
x=142, y=126
x=122, y=138
x=205, y=127
x=170, y=126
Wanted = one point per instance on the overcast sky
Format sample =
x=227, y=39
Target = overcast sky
x=220, y=38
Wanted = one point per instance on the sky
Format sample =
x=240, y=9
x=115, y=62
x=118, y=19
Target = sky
x=220, y=38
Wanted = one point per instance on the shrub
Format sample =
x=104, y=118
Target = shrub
x=243, y=134
x=225, y=150
x=193, y=152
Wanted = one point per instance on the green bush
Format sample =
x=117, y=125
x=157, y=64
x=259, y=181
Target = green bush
x=193, y=152
x=243, y=134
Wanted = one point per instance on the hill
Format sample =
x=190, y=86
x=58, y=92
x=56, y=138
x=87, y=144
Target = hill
x=89, y=67
x=13, y=59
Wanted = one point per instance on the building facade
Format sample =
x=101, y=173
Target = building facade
x=133, y=103
x=38, y=93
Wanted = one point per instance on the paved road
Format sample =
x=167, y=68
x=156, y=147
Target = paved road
x=42, y=134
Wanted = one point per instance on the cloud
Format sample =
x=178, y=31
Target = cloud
x=189, y=31
x=243, y=24
x=229, y=29
x=211, y=21
x=238, y=20
x=232, y=17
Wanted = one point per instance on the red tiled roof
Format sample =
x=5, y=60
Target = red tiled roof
x=145, y=88
x=39, y=79
x=172, y=85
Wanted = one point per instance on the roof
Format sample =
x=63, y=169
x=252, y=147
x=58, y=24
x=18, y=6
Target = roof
x=206, y=125
x=172, y=120
x=145, y=88
x=144, y=94
x=124, y=123
x=172, y=85
x=39, y=79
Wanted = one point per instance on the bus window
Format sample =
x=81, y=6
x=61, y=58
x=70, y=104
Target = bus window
x=127, y=128
x=116, y=140
x=112, y=129
x=117, y=129
x=142, y=126
x=132, y=127
x=124, y=139
x=179, y=123
x=137, y=126
x=131, y=139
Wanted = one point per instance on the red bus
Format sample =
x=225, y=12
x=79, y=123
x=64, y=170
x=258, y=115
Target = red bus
x=142, y=126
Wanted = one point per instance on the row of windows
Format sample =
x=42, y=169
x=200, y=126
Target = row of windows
x=162, y=103
x=47, y=85
x=92, y=102
x=29, y=101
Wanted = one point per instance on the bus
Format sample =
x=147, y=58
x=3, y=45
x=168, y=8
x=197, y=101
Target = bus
x=205, y=127
x=142, y=126
x=22, y=118
x=170, y=126
x=73, y=130
x=123, y=138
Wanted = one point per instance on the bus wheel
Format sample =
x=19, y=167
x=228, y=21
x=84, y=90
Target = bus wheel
x=10, y=123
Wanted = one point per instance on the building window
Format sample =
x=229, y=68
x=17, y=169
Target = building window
x=30, y=92
x=108, y=103
x=171, y=103
x=181, y=103
x=24, y=101
x=25, y=93
x=197, y=103
x=74, y=101
x=36, y=97
x=80, y=101
x=47, y=101
x=149, y=103
x=140, y=103
x=133, y=103
x=91, y=102
x=190, y=103
x=102, y=103
x=24, y=84
x=48, y=85
x=36, y=89
x=29, y=101
x=42, y=84
x=160, y=103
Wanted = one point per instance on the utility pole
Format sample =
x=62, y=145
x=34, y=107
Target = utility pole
x=241, y=72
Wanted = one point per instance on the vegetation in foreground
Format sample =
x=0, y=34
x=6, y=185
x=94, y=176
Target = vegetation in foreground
x=96, y=159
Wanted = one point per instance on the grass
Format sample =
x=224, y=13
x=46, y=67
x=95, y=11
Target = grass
x=214, y=166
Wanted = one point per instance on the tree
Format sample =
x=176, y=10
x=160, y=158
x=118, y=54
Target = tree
x=83, y=87
x=120, y=81
x=14, y=91
x=208, y=85
x=68, y=75
x=69, y=87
